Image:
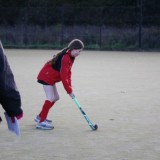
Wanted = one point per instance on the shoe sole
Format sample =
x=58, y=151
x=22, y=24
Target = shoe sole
x=44, y=128
x=46, y=121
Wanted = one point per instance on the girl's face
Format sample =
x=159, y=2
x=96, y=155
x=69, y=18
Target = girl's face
x=76, y=52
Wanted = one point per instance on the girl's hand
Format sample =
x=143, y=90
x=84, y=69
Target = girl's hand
x=72, y=95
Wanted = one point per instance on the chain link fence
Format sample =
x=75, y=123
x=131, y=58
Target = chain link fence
x=102, y=28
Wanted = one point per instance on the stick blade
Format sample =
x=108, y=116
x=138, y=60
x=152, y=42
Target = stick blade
x=95, y=127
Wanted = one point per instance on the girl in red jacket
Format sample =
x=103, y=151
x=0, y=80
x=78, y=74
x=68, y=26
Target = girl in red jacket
x=56, y=70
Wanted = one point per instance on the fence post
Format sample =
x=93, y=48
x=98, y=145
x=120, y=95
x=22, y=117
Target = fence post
x=100, y=37
x=140, y=5
x=62, y=23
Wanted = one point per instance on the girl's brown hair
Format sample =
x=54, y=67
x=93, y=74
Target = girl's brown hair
x=76, y=44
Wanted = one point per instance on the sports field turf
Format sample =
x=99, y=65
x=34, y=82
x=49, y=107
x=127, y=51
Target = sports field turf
x=120, y=91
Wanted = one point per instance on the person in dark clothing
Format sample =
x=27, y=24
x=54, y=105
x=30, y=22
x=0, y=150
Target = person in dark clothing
x=10, y=98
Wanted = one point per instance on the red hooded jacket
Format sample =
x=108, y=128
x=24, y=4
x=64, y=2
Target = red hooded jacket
x=59, y=71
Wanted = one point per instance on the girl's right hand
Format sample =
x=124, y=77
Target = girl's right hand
x=72, y=95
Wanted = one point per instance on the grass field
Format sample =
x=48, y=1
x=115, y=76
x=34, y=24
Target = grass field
x=120, y=91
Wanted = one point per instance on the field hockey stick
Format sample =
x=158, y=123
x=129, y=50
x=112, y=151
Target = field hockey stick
x=94, y=127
